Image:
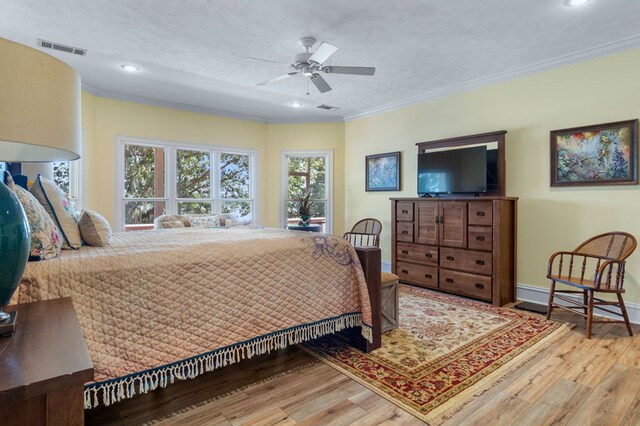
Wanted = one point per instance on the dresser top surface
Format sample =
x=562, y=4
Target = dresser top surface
x=481, y=198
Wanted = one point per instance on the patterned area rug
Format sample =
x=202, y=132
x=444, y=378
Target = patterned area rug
x=445, y=351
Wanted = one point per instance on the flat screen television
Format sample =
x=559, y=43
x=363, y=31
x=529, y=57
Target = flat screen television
x=456, y=171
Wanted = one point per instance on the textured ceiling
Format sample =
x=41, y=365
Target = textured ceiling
x=192, y=52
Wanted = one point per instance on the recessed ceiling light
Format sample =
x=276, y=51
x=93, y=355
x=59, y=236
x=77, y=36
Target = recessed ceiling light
x=130, y=68
x=295, y=104
x=575, y=2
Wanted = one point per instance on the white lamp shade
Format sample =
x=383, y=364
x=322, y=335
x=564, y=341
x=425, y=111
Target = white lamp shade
x=39, y=106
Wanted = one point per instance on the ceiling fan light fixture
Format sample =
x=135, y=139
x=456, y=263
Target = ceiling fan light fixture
x=572, y=3
x=295, y=104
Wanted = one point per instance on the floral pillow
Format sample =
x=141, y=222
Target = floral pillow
x=204, y=221
x=61, y=210
x=46, y=240
x=170, y=224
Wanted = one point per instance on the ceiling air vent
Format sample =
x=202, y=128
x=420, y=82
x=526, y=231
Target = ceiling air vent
x=62, y=47
x=328, y=107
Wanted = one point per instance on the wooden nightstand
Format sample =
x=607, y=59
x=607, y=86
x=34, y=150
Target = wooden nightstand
x=44, y=366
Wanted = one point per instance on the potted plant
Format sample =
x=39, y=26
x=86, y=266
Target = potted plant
x=303, y=206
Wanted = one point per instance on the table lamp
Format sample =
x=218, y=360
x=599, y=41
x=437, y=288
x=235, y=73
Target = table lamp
x=39, y=122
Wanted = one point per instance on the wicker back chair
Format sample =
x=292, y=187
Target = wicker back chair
x=597, y=265
x=365, y=233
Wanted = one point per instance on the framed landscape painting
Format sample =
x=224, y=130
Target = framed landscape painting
x=604, y=154
x=383, y=172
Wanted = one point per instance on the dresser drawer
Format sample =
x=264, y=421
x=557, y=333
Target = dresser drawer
x=417, y=253
x=466, y=284
x=480, y=237
x=481, y=213
x=404, y=211
x=404, y=231
x=426, y=276
x=466, y=260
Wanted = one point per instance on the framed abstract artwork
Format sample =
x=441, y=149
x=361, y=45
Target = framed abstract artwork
x=382, y=172
x=603, y=154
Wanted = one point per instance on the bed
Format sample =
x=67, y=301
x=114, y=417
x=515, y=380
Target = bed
x=165, y=305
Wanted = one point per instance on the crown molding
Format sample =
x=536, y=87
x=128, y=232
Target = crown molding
x=542, y=66
x=170, y=104
x=204, y=110
x=338, y=119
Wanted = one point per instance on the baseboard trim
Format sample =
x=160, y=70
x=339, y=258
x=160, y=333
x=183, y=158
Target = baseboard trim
x=540, y=295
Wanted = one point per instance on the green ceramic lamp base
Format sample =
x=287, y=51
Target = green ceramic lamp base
x=8, y=325
x=15, y=243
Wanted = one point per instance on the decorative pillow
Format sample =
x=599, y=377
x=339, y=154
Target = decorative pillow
x=204, y=221
x=172, y=224
x=61, y=209
x=94, y=229
x=46, y=240
x=232, y=223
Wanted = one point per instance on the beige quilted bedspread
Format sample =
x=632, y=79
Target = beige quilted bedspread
x=156, y=297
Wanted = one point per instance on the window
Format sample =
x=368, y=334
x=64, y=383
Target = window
x=66, y=174
x=235, y=188
x=158, y=178
x=307, y=172
x=193, y=183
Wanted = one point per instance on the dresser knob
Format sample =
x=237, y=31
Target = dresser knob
x=429, y=255
x=450, y=258
x=405, y=232
x=428, y=276
x=404, y=271
x=405, y=252
x=480, y=214
x=478, y=285
x=405, y=211
x=479, y=238
x=480, y=262
x=449, y=280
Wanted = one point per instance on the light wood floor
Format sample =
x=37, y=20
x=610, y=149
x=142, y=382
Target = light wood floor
x=574, y=382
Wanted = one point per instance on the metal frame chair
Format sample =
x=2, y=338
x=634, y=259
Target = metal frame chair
x=603, y=255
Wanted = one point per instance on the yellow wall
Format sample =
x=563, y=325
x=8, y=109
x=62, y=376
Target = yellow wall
x=104, y=119
x=597, y=91
x=301, y=137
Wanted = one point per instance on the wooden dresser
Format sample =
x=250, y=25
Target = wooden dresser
x=465, y=246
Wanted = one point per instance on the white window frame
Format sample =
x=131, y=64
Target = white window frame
x=252, y=179
x=170, y=173
x=76, y=177
x=213, y=181
x=284, y=186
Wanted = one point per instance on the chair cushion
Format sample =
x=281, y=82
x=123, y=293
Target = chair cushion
x=388, y=277
x=61, y=210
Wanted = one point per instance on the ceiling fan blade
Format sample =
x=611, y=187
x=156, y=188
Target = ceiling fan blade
x=320, y=83
x=250, y=58
x=350, y=70
x=323, y=52
x=273, y=80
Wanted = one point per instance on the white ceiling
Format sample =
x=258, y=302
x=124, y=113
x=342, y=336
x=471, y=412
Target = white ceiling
x=192, y=52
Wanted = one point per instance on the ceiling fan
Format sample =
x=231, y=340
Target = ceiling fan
x=311, y=65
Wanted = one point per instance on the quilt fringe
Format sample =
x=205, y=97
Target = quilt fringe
x=115, y=390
